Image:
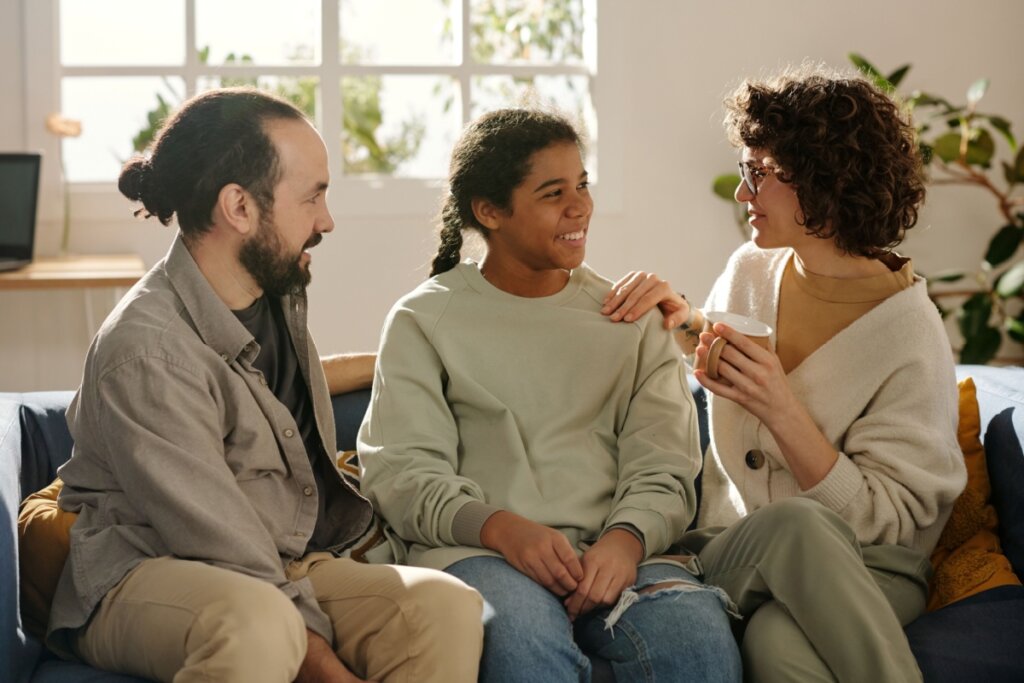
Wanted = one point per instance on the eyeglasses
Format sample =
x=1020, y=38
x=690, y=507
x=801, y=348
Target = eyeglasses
x=753, y=175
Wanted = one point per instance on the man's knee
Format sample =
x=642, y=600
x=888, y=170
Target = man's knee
x=253, y=626
x=448, y=605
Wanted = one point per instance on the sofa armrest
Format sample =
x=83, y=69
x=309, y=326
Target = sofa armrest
x=18, y=650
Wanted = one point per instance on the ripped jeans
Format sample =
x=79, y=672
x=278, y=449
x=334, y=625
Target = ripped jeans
x=672, y=634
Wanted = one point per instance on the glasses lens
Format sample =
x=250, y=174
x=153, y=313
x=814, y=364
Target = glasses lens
x=748, y=178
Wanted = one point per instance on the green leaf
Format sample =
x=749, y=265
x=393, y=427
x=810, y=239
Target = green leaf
x=980, y=147
x=976, y=91
x=869, y=70
x=947, y=276
x=1015, y=328
x=725, y=185
x=947, y=147
x=974, y=315
x=1003, y=126
x=1018, y=165
x=981, y=347
x=864, y=65
x=1010, y=173
x=1011, y=283
x=923, y=99
x=1004, y=244
x=896, y=76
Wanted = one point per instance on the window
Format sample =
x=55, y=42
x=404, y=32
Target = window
x=389, y=83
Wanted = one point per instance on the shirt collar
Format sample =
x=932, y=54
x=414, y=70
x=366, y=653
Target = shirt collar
x=216, y=324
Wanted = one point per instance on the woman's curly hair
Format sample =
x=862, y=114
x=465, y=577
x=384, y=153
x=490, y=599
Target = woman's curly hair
x=847, y=147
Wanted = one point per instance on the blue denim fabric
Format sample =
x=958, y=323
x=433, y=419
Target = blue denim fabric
x=669, y=635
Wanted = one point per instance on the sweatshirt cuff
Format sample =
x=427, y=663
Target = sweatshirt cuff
x=469, y=520
x=626, y=526
x=839, y=486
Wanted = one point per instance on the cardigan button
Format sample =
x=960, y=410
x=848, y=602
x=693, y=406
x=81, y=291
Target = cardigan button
x=308, y=491
x=754, y=459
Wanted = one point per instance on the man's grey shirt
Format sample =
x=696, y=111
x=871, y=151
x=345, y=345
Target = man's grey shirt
x=182, y=450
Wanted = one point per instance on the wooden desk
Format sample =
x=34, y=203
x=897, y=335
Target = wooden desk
x=76, y=272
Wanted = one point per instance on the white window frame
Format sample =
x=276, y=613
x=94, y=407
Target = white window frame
x=350, y=196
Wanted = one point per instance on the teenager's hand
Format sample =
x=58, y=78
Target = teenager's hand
x=540, y=552
x=639, y=292
x=321, y=664
x=609, y=567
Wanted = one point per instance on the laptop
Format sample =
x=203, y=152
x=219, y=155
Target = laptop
x=19, y=192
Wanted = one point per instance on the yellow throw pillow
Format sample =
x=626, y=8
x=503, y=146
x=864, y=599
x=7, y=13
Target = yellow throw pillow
x=968, y=558
x=43, y=540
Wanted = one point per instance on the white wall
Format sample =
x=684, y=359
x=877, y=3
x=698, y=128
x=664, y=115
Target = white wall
x=681, y=57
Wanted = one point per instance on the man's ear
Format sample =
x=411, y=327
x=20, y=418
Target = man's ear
x=237, y=208
x=486, y=213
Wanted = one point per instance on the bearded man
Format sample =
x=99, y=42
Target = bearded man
x=211, y=518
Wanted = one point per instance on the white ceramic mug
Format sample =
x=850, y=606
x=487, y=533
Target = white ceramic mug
x=754, y=330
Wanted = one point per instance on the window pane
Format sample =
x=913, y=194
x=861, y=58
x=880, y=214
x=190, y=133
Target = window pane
x=302, y=91
x=398, y=32
x=262, y=32
x=568, y=95
x=386, y=120
x=527, y=31
x=116, y=32
x=118, y=115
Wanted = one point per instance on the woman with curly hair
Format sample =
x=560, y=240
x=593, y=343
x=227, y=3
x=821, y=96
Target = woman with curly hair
x=833, y=462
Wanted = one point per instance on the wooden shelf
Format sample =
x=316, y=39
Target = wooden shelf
x=76, y=272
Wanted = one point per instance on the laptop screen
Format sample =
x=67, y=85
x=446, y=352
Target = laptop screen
x=19, y=189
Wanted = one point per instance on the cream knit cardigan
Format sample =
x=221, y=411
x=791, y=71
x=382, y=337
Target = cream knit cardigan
x=882, y=391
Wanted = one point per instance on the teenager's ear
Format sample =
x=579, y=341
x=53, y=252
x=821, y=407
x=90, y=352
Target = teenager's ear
x=237, y=208
x=486, y=213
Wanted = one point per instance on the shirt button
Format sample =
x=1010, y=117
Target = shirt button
x=289, y=432
x=308, y=490
x=224, y=357
x=754, y=459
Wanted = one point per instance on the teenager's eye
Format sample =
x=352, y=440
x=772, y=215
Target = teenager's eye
x=554, y=193
x=584, y=186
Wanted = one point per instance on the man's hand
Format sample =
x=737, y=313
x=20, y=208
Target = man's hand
x=321, y=665
x=609, y=567
x=540, y=552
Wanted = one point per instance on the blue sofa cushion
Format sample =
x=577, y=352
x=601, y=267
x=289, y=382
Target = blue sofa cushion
x=989, y=622
x=45, y=441
x=1006, y=471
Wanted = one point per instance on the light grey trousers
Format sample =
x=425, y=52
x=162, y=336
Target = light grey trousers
x=817, y=605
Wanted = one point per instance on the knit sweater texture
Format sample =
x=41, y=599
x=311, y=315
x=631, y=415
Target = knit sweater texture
x=539, y=406
x=882, y=391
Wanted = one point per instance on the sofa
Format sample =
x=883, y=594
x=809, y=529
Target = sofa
x=977, y=638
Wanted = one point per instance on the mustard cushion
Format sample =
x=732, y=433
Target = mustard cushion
x=968, y=558
x=43, y=539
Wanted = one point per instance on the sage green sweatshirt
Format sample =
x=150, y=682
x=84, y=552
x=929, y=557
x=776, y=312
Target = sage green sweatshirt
x=486, y=401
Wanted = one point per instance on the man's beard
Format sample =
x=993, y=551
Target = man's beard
x=276, y=272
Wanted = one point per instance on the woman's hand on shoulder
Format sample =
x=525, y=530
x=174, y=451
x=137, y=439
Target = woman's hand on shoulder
x=639, y=292
x=609, y=567
x=540, y=552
